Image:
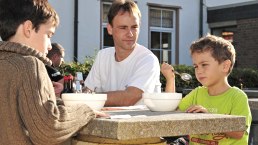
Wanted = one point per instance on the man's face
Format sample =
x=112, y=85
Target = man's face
x=125, y=30
x=40, y=40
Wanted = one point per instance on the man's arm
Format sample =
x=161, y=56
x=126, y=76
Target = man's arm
x=127, y=97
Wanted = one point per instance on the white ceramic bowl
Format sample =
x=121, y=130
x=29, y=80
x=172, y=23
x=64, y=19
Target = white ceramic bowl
x=94, y=101
x=162, y=101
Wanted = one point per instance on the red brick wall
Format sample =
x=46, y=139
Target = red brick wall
x=246, y=43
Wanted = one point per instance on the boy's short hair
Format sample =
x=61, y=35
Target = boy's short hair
x=123, y=6
x=220, y=48
x=56, y=49
x=15, y=12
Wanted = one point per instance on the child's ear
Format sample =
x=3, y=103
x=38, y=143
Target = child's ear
x=226, y=65
x=27, y=28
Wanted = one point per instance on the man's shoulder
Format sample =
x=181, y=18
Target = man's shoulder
x=145, y=53
x=107, y=50
x=143, y=48
x=106, y=53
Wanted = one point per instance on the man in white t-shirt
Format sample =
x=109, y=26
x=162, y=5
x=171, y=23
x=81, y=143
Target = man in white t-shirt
x=127, y=70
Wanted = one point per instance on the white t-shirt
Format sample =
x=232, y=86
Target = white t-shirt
x=140, y=69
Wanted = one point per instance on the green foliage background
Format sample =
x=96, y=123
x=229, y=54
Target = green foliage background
x=73, y=67
x=248, y=77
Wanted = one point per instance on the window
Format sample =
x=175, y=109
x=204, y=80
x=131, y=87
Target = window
x=225, y=32
x=107, y=40
x=162, y=33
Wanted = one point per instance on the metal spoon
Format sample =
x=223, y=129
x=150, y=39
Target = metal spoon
x=184, y=76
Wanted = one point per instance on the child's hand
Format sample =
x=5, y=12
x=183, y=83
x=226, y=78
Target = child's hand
x=100, y=114
x=196, y=109
x=167, y=71
x=58, y=87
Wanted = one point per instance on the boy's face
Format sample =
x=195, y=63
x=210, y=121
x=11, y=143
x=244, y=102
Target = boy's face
x=40, y=40
x=125, y=30
x=208, y=71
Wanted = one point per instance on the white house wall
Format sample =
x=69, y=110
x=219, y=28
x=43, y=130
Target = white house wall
x=89, y=24
x=188, y=29
x=189, y=24
x=89, y=28
x=64, y=32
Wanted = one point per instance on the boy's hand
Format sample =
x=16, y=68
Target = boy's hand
x=100, y=114
x=196, y=109
x=58, y=87
x=167, y=71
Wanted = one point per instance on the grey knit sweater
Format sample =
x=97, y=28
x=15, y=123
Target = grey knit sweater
x=28, y=110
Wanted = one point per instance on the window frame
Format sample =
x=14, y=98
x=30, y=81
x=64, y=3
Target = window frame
x=174, y=51
x=103, y=24
x=161, y=30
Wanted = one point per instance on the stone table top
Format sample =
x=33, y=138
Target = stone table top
x=147, y=124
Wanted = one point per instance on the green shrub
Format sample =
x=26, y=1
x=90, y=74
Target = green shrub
x=247, y=76
x=73, y=67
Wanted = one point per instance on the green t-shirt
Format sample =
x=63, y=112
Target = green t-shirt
x=232, y=102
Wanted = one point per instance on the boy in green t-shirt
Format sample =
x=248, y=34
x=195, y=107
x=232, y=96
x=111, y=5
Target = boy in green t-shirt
x=213, y=59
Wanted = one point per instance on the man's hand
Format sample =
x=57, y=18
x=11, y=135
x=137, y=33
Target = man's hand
x=196, y=109
x=86, y=90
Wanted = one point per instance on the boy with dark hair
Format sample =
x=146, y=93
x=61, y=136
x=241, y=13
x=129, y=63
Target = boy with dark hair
x=29, y=112
x=213, y=59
